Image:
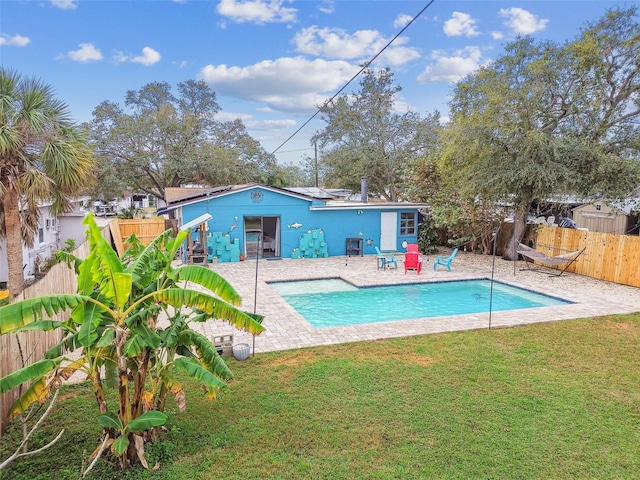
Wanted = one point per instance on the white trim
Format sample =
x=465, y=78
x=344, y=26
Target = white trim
x=205, y=217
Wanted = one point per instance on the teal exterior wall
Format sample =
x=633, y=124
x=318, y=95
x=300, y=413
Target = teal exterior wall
x=228, y=212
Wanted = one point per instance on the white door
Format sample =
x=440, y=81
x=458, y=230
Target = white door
x=388, y=230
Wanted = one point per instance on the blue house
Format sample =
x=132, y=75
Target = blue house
x=249, y=220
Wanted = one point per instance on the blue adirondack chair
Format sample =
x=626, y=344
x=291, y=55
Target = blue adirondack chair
x=386, y=260
x=444, y=260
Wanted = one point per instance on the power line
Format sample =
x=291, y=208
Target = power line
x=366, y=65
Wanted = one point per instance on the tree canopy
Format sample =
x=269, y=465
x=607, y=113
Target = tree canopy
x=546, y=119
x=160, y=140
x=365, y=136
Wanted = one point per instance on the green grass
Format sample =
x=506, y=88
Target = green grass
x=555, y=400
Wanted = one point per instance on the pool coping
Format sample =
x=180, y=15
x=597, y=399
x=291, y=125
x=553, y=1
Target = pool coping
x=314, y=322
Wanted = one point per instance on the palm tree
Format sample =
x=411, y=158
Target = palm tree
x=43, y=156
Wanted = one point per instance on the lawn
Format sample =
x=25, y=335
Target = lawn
x=554, y=400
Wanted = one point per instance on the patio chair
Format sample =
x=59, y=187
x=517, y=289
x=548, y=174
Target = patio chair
x=412, y=261
x=444, y=260
x=386, y=260
x=412, y=248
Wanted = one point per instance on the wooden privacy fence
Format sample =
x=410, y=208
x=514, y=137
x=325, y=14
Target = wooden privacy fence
x=29, y=347
x=146, y=229
x=607, y=256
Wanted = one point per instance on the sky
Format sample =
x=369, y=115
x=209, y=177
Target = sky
x=271, y=63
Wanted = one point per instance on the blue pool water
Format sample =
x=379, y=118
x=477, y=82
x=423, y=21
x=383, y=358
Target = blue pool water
x=336, y=303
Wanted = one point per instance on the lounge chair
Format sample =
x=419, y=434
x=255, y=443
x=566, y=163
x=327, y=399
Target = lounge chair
x=531, y=255
x=412, y=261
x=444, y=260
x=386, y=260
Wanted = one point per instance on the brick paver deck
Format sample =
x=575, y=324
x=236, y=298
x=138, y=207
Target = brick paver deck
x=286, y=329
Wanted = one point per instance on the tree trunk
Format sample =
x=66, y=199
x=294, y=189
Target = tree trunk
x=10, y=203
x=519, y=227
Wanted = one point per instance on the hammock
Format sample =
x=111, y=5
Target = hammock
x=531, y=255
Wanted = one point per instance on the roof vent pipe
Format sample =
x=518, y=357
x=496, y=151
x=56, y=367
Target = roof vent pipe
x=364, y=194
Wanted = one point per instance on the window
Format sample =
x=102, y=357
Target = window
x=408, y=223
x=40, y=234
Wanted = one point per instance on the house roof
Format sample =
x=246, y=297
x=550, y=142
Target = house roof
x=627, y=207
x=332, y=199
x=176, y=194
x=379, y=205
x=186, y=195
x=319, y=193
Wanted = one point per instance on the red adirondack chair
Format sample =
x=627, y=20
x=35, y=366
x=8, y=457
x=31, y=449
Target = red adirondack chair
x=412, y=261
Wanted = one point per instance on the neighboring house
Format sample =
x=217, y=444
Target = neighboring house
x=116, y=206
x=607, y=218
x=51, y=236
x=291, y=224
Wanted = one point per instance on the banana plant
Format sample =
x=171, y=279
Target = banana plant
x=128, y=327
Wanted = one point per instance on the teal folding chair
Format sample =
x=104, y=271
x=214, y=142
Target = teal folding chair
x=444, y=260
x=386, y=260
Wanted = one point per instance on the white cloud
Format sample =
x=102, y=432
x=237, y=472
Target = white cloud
x=521, y=21
x=402, y=20
x=361, y=45
x=460, y=24
x=497, y=35
x=286, y=84
x=268, y=125
x=256, y=11
x=327, y=6
x=452, y=68
x=86, y=53
x=149, y=57
x=7, y=40
x=64, y=4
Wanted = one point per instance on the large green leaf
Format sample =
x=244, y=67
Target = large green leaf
x=215, y=307
x=110, y=420
x=174, y=245
x=15, y=317
x=42, y=326
x=120, y=445
x=170, y=334
x=147, y=420
x=147, y=256
x=195, y=369
x=37, y=392
x=85, y=275
x=107, y=264
x=107, y=338
x=210, y=280
x=122, y=288
x=207, y=353
x=151, y=338
x=134, y=345
x=87, y=334
x=30, y=372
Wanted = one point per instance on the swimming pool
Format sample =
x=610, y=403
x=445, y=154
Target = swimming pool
x=336, y=303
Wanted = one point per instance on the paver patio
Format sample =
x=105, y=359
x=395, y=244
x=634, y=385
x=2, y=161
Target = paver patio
x=287, y=329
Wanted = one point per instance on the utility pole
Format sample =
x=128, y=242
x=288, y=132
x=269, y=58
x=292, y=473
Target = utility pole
x=315, y=145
